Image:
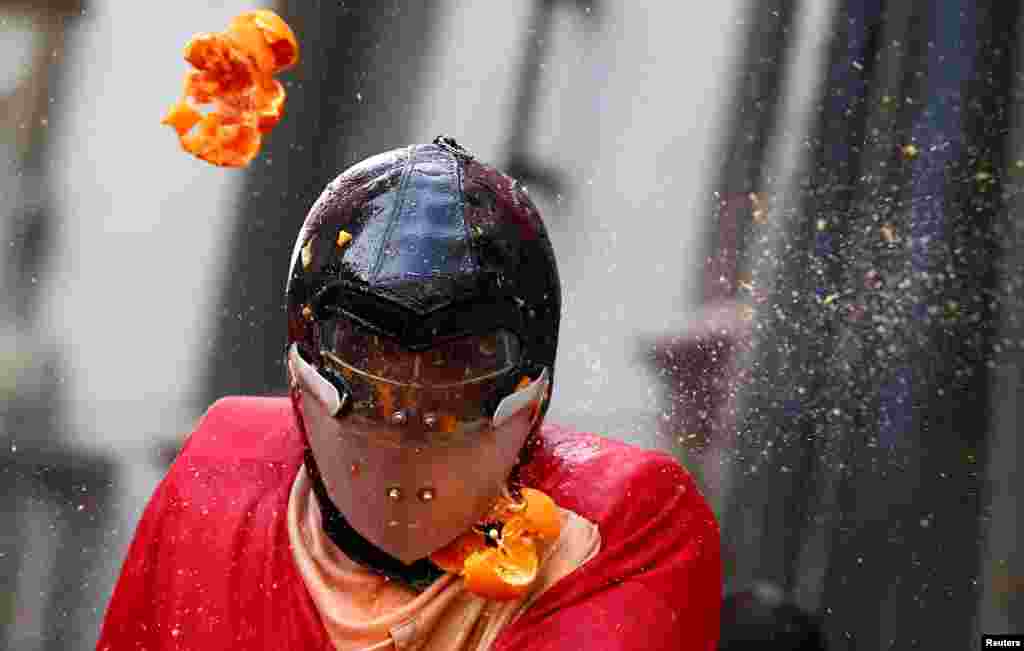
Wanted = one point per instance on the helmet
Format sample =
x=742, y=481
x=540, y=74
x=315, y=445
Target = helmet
x=423, y=286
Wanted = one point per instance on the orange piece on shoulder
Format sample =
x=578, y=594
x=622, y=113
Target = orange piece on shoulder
x=506, y=570
x=540, y=519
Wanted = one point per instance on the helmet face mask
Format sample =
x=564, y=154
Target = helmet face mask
x=375, y=475
x=447, y=363
x=404, y=400
x=437, y=396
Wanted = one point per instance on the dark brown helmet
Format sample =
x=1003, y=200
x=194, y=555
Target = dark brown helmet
x=425, y=245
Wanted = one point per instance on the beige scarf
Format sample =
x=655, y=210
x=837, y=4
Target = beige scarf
x=363, y=611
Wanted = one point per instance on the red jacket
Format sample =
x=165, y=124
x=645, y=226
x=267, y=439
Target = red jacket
x=210, y=566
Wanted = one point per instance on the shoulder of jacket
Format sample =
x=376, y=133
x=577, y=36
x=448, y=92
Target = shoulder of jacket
x=243, y=427
x=603, y=478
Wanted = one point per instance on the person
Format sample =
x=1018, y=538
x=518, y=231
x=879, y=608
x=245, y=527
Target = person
x=408, y=493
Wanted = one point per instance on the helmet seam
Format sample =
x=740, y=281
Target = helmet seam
x=410, y=164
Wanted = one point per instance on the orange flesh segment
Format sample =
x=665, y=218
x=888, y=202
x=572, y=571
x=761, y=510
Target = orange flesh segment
x=182, y=118
x=279, y=37
x=234, y=72
x=272, y=98
x=250, y=39
x=504, y=572
x=539, y=520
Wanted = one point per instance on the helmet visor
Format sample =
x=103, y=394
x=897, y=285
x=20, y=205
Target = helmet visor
x=437, y=396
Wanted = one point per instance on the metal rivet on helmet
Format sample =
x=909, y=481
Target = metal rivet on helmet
x=425, y=494
x=399, y=418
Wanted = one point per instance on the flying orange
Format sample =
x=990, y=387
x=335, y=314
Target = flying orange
x=234, y=71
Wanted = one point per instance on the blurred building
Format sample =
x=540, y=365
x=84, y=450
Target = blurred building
x=101, y=298
x=868, y=470
x=52, y=491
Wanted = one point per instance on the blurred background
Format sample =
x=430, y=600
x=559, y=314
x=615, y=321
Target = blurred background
x=788, y=234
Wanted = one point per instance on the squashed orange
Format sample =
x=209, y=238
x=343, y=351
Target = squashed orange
x=233, y=71
x=504, y=572
x=507, y=567
x=539, y=519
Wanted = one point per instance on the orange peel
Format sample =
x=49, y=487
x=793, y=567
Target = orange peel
x=502, y=562
x=234, y=71
x=502, y=573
